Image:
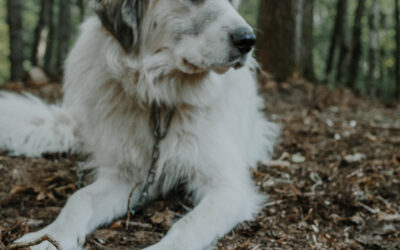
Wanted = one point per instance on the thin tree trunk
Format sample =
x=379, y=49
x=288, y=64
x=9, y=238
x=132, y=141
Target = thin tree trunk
x=336, y=35
x=64, y=30
x=48, y=56
x=16, y=43
x=382, y=91
x=82, y=9
x=356, y=47
x=373, y=46
x=397, y=16
x=307, y=41
x=298, y=41
x=41, y=34
x=344, y=47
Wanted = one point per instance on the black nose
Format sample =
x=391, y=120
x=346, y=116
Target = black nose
x=243, y=39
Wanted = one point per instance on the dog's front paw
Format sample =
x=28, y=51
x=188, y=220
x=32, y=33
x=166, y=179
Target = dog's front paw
x=64, y=243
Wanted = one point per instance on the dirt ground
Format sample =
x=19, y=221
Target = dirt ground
x=334, y=182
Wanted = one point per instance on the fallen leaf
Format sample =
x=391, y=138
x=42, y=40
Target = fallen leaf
x=18, y=189
x=164, y=218
x=358, y=157
x=278, y=163
x=41, y=196
x=298, y=158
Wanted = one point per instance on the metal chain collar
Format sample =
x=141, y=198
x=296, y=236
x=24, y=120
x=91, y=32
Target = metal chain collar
x=159, y=133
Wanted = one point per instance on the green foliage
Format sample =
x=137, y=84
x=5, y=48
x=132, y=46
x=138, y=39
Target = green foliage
x=30, y=17
x=4, y=44
x=249, y=9
x=324, y=14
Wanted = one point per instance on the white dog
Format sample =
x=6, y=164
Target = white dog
x=158, y=92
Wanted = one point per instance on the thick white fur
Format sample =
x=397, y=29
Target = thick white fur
x=31, y=127
x=218, y=132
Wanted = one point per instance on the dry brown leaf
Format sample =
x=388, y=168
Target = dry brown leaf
x=164, y=218
x=41, y=196
x=117, y=225
x=18, y=189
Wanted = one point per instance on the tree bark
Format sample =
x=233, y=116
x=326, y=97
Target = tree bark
x=289, y=50
x=337, y=38
x=48, y=57
x=344, y=47
x=397, y=22
x=356, y=47
x=275, y=52
x=41, y=34
x=373, y=46
x=16, y=43
x=383, y=26
x=82, y=9
x=64, y=30
x=307, y=41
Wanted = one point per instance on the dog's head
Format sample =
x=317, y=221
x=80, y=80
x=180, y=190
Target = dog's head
x=198, y=35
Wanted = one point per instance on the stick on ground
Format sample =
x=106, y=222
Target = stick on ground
x=128, y=215
x=35, y=242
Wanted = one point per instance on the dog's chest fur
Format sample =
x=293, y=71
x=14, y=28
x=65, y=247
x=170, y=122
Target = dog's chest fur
x=216, y=124
x=118, y=122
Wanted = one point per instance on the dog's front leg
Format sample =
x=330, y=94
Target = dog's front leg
x=87, y=209
x=221, y=209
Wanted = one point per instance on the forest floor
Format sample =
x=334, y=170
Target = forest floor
x=334, y=182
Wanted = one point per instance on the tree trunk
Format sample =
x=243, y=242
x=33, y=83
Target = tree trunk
x=383, y=26
x=397, y=16
x=344, y=47
x=41, y=34
x=82, y=9
x=299, y=13
x=48, y=57
x=16, y=43
x=356, y=47
x=337, y=37
x=64, y=30
x=275, y=52
x=373, y=46
x=307, y=41
x=288, y=50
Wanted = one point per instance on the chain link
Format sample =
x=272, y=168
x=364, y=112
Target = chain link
x=159, y=133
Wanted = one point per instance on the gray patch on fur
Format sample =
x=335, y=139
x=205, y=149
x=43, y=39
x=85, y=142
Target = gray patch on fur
x=198, y=25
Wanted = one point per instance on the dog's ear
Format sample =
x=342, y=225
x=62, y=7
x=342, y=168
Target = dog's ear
x=122, y=18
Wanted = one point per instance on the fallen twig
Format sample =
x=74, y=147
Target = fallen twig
x=388, y=217
x=35, y=242
x=369, y=209
x=256, y=247
x=317, y=180
x=310, y=212
x=10, y=228
x=273, y=203
x=128, y=215
x=140, y=225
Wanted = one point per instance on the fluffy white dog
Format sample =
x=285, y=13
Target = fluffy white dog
x=157, y=92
